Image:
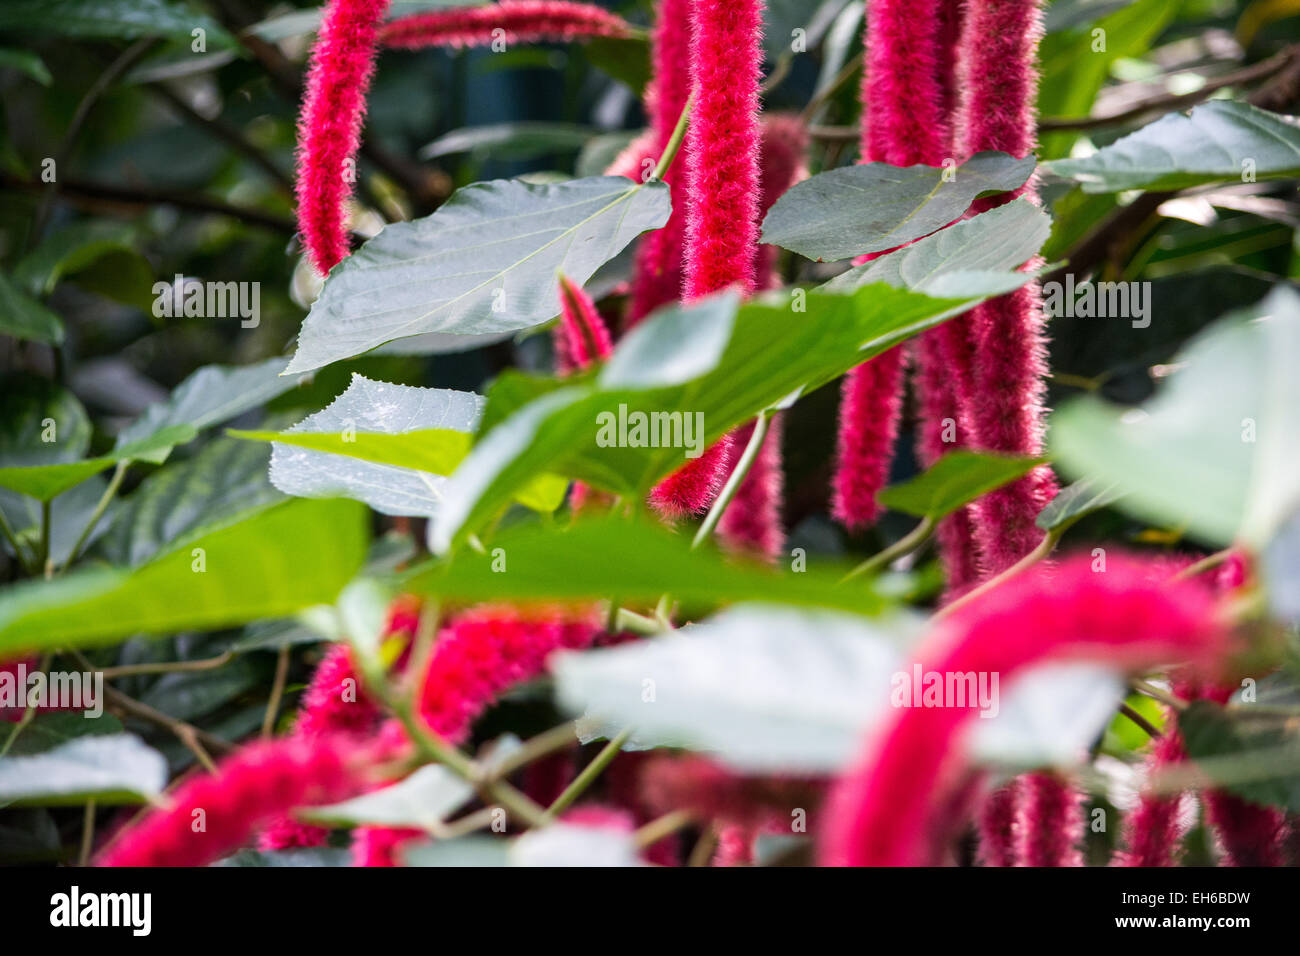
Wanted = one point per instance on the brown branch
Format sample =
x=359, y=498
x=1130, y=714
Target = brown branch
x=1274, y=65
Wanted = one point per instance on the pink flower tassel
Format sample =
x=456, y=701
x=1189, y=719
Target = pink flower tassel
x=722, y=196
x=997, y=826
x=903, y=123
x=329, y=130
x=735, y=846
x=480, y=654
x=1051, y=822
x=212, y=815
x=752, y=521
x=882, y=812
x=999, y=84
x=1152, y=832
x=511, y=21
x=581, y=337
x=658, y=278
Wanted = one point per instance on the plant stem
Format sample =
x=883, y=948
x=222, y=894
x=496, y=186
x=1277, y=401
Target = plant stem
x=547, y=742
x=625, y=620
x=1146, y=725
x=1155, y=693
x=904, y=545
x=100, y=507
x=819, y=99
x=734, y=481
x=19, y=553
x=43, y=550
x=167, y=667
x=277, y=691
x=29, y=713
x=588, y=776
x=87, y=833
x=1043, y=549
x=657, y=829
x=675, y=141
x=1203, y=565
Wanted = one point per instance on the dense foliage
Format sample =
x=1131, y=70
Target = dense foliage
x=681, y=432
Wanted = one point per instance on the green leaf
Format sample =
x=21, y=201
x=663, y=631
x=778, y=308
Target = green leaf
x=462, y=851
x=1068, y=14
x=1075, y=66
x=25, y=61
x=422, y=801
x=972, y=258
x=24, y=318
x=112, y=769
x=567, y=844
x=956, y=479
x=1255, y=756
x=285, y=558
x=1221, y=141
x=212, y=395
x=485, y=262
x=871, y=207
x=713, y=364
x=70, y=250
x=626, y=59
x=1213, y=451
x=785, y=690
x=634, y=560
x=1074, y=502
x=44, y=482
x=223, y=483
x=316, y=856
x=387, y=445
x=50, y=729
x=41, y=423
x=518, y=140
x=109, y=19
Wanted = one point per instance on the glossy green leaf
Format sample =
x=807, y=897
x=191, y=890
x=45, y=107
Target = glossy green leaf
x=872, y=207
x=628, y=560
x=45, y=482
x=956, y=479
x=109, y=19
x=23, y=317
x=110, y=769
x=485, y=262
x=1214, y=450
x=287, y=557
x=1220, y=141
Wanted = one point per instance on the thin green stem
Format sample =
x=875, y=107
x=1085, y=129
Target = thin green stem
x=43, y=550
x=675, y=141
x=12, y=538
x=657, y=829
x=29, y=713
x=588, y=776
x=1156, y=693
x=734, y=481
x=1043, y=549
x=534, y=748
x=87, y=833
x=101, y=506
x=1204, y=564
x=904, y=545
x=277, y=691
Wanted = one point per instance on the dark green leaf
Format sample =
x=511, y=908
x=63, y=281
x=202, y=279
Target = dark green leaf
x=1074, y=502
x=486, y=261
x=109, y=19
x=111, y=769
x=871, y=207
x=1221, y=141
x=956, y=479
x=285, y=558
x=24, y=318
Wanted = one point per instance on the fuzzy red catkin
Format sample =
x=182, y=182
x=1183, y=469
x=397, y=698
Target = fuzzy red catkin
x=253, y=786
x=478, y=655
x=996, y=825
x=335, y=702
x=752, y=521
x=1050, y=822
x=658, y=277
x=1152, y=831
x=1248, y=834
x=999, y=85
x=903, y=124
x=580, y=336
x=722, y=196
x=520, y=21
x=881, y=811
x=329, y=129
